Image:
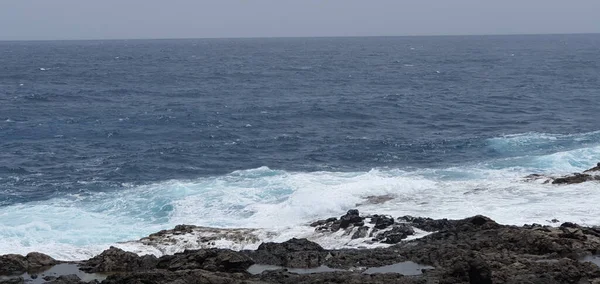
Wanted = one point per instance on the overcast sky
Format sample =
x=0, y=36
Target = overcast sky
x=125, y=19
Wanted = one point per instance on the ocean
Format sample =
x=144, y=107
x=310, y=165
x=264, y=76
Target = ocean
x=103, y=142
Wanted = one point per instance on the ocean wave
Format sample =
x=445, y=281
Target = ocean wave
x=77, y=226
x=538, y=143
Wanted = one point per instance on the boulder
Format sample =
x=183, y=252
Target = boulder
x=352, y=217
x=206, y=259
x=37, y=260
x=118, y=260
x=11, y=264
x=295, y=253
x=395, y=235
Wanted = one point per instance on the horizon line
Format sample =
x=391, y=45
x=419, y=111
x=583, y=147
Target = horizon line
x=296, y=37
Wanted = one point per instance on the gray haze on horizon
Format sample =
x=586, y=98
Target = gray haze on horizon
x=111, y=19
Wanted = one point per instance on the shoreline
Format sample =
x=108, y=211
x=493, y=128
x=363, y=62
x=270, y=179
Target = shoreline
x=471, y=250
x=385, y=249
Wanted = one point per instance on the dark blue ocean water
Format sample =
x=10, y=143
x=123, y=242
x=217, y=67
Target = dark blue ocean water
x=84, y=116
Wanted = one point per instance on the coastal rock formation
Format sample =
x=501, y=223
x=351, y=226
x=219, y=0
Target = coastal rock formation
x=115, y=259
x=592, y=174
x=16, y=264
x=380, y=228
x=470, y=250
x=295, y=253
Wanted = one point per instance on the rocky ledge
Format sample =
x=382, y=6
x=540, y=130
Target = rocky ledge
x=471, y=250
x=592, y=174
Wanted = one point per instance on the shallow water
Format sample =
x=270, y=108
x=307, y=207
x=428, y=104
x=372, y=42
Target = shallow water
x=407, y=268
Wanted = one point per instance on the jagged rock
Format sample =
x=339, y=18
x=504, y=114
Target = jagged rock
x=361, y=232
x=66, y=279
x=206, y=259
x=296, y=253
x=382, y=221
x=427, y=224
x=12, y=280
x=575, y=178
x=594, y=169
x=351, y=218
x=115, y=259
x=182, y=277
x=37, y=260
x=13, y=264
x=395, y=235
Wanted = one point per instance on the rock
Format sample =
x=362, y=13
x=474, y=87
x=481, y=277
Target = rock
x=377, y=199
x=362, y=232
x=12, y=280
x=594, y=169
x=351, y=218
x=206, y=259
x=295, y=253
x=118, y=260
x=37, y=260
x=182, y=277
x=575, y=178
x=427, y=224
x=382, y=221
x=66, y=279
x=11, y=264
x=395, y=235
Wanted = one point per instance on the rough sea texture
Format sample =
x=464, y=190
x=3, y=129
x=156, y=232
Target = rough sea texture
x=108, y=141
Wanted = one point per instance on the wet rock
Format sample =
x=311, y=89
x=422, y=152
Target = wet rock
x=362, y=232
x=427, y=224
x=12, y=280
x=377, y=199
x=395, y=235
x=115, y=259
x=182, y=277
x=13, y=264
x=295, y=253
x=594, y=169
x=37, y=260
x=351, y=218
x=382, y=221
x=575, y=178
x=206, y=259
x=66, y=279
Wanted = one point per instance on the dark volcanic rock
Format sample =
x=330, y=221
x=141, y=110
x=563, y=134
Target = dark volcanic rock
x=575, y=178
x=362, y=232
x=206, y=259
x=66, y=279
x=351, y=218
x=13, y=264
x=37, y=260
x=427, y=224
x=594, y=169
x=395, y=235
x=182, y=277
x=115, y=259
x=382, y=221
x=296, y=253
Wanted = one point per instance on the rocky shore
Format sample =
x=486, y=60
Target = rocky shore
x=471, y=250
x=395, y=250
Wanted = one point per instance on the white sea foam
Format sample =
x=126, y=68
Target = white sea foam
x=280, y=204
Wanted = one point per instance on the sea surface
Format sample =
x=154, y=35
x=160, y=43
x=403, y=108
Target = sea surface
x=109, y=141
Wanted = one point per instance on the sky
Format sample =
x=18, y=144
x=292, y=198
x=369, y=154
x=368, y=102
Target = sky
x=131, y=19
